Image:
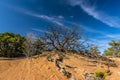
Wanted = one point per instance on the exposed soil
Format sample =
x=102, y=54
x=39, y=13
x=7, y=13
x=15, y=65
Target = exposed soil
x=41, y=69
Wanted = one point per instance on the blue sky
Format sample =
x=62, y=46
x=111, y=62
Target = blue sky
x=99, y=19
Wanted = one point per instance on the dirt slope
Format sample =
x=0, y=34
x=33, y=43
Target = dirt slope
x=41, y=69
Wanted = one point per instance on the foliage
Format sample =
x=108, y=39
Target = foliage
x=15, y=45
x=56, y=38
x=39, y=46
x=118, y=54
x=114, y=49
x=94, y=50
x=100, y=75
x=11, y=45
x=108, y=52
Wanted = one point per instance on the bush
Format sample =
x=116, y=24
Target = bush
x=100, y=75
x=118, y=54
x=11, y=45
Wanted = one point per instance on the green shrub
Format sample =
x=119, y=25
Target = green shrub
x=100, y=75
x=118, y=54
x=11, y=45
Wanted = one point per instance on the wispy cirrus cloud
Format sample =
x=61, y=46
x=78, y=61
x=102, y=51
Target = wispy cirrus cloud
x=50, y=19
x=39, y=30
x=45, y=17
x=61, y=17
x=101, y=44
x=112, y=36
x=111, y=21
x=60, y=20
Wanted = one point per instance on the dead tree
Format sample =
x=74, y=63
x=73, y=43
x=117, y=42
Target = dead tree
x=63, y=39
x=29, y=45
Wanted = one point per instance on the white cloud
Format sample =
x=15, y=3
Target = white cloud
x=45, y=17
x=113, y=36
x=30, y=13
x=61, y=17
x=71, y=16
x=56, y=20
x=111, y=21
x=59, y=20
x=39, y=30
x=101, y=44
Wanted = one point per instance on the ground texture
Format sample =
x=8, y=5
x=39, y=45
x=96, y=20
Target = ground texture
x=41, y=69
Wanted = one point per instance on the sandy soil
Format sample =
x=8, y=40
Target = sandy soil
x=41, y=69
